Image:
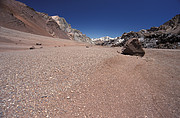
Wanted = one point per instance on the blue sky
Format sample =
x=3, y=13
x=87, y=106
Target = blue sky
x=98, y=18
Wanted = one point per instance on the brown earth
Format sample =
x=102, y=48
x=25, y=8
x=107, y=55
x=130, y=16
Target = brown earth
x=75, y=81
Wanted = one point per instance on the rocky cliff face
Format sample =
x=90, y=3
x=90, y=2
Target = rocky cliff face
x=165, y=36
x=73, y=34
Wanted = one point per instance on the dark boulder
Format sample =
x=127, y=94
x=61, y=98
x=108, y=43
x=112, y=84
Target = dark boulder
x=133, y=47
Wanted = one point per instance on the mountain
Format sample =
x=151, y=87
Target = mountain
x=104, y=41
x=18, y=16
x=73, y=34
x=171, y=26
x=106, y=38
x=165, y=36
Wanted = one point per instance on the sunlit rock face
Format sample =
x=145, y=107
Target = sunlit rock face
x=73, y=34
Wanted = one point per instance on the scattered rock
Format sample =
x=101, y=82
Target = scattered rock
x=118, y=51
x=31, y=48
x=38, y=44
x=133, y=47
x=45, y=96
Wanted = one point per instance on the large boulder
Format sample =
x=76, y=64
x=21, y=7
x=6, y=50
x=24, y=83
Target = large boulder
x=133, y=47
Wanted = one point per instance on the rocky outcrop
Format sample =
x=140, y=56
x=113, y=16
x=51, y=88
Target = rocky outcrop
x=133, y=47
x=73, y=34
x=62, y=23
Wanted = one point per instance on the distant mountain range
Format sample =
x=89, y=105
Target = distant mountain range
x=107, y=41
x=165, y=36
x=18, y=16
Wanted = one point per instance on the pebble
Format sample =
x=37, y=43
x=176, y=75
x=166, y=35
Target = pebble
x=9, y=100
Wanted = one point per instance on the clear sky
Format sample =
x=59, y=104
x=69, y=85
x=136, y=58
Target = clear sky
x=99, y=18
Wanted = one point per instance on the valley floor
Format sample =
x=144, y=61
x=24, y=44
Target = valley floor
x=75, y=81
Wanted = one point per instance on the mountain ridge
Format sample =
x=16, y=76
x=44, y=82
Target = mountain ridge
x=19, y=16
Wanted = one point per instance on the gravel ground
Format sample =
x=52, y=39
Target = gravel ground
x=35, y=82
x=94, y=82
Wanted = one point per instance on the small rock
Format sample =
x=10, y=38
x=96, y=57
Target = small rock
x=68, y=97
x=31, y=48
x=45, y=96
x=9, y=100
x=38, y=44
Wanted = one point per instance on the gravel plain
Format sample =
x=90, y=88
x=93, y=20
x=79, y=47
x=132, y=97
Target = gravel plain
x=76, y=80
x=35, y=82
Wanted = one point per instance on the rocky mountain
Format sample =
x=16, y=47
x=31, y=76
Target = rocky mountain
x=18, y=16
x=73, y=34
x=165, y=36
